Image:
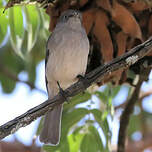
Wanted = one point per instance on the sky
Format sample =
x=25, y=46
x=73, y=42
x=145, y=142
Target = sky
x=22, y=99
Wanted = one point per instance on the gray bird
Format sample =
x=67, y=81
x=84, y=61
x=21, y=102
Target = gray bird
x=66, y=58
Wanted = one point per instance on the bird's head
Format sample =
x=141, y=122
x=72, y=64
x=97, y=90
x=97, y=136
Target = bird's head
x=70, y=15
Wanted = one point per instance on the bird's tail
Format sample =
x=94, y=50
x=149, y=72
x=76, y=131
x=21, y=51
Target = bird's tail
x=52, y=125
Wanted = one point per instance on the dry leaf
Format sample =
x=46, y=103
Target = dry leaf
x=82, y=2
x=150, y=26
x=116, y=76
x=121, y=43
x=103, y=36
x=150, y=30
x=126, y=21
x=105, y=4
x=54, y=14
x=88, y=19
x=138, y=6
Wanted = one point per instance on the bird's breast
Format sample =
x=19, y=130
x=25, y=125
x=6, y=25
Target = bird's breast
x=69, y=58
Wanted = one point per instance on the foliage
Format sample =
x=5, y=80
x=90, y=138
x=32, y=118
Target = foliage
x=24, y=31
x=81, y=125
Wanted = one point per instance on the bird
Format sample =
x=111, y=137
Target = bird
x=66, y=57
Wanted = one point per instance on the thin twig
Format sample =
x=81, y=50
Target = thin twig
x=99, y=73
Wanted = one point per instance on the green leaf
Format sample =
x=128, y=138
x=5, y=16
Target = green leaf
x=3, y=24
x=8, y=57
x=97, y=138
x=31, y=69
x=33, y=25
x=15, y=20
x=115, y=91
x=71, y=118
x=1, y=5
x=44, y=23
x=98, y=117
x=8, y=85
x=59, y=148
x=16, y=28
x=102, y=123
x=9, y=71
x=75, y=141
x=107, y=90
x=86, y=144
x=48, y=148
x=74, y=116
x=80, y=98
x=68, y=120
x=102, y=96
x=91, y=142
x=77, y=130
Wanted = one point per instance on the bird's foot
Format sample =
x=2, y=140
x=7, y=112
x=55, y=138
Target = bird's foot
x=62, y=92
x=82, y=78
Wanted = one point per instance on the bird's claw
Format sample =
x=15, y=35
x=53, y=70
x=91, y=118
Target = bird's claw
x=82, y=78
x=62, y=92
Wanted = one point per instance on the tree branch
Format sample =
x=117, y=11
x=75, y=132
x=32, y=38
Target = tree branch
x=124, y=121
x=99, y=73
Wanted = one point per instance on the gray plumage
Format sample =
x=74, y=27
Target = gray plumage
x=67, y=55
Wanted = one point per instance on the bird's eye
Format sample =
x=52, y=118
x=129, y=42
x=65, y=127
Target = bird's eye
x=65, y=17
